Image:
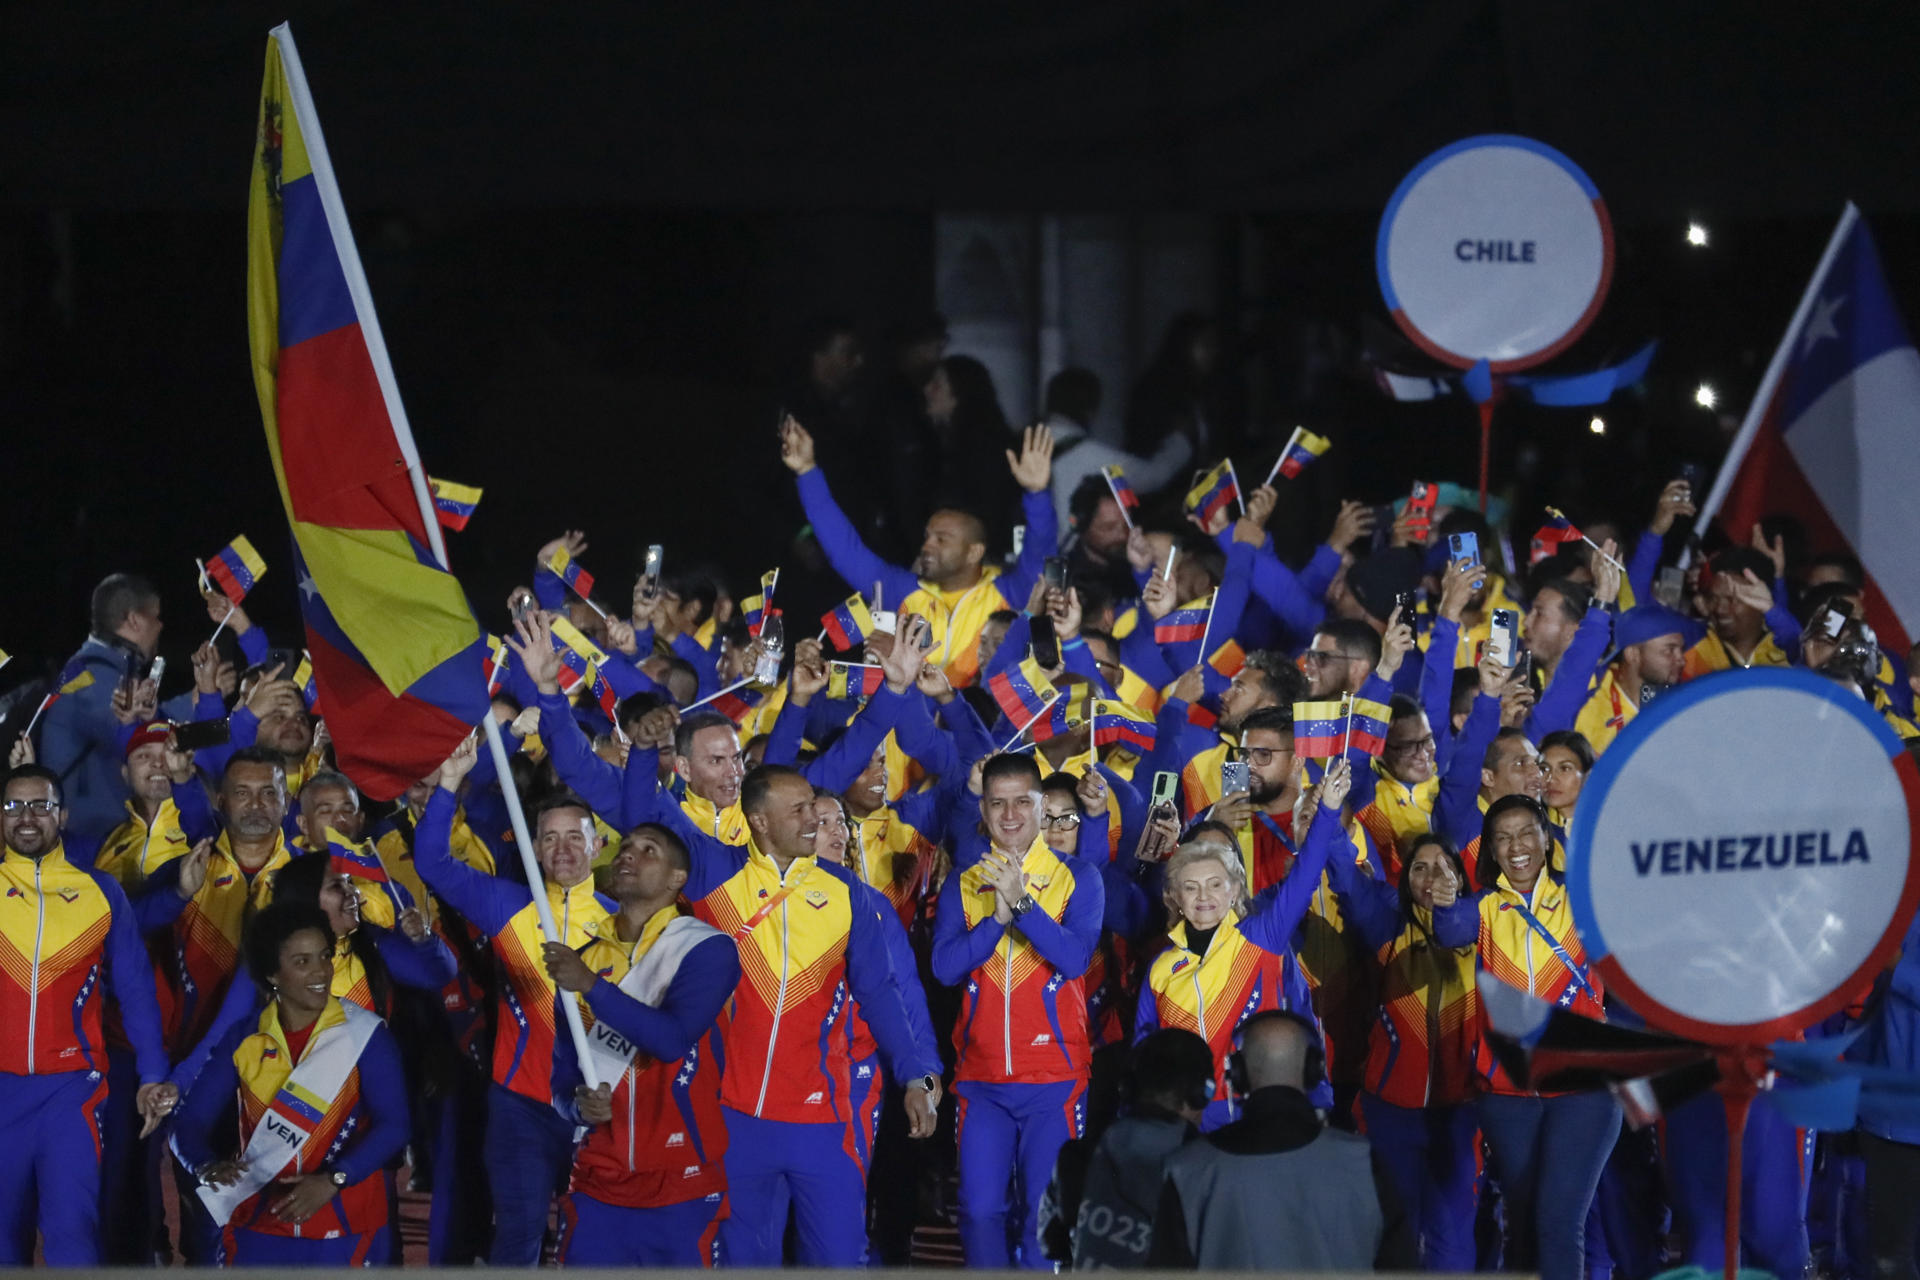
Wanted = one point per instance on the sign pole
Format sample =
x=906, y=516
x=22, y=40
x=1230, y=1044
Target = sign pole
x=1486, y=450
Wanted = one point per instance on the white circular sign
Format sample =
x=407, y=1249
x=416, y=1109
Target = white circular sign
x=1742, y=857
x=1495, y=248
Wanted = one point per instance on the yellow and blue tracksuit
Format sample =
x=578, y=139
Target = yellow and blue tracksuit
x=807, y=939
x=957, y=617
x=1548, y=1150
x=66, y=934
x=1021, y=1036
x=867, y=1078
x=360, y=1129
x=1248, y=966
x=1418, y=1083
x=529, y=1144
x=649, y=1188
x=137, y=848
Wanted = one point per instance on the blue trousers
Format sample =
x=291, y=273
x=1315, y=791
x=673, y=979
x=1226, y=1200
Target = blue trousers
x=1773, y=1202
x=528, y=1153
x=457, y=1220
x=771, y=1163
x=596, y=1234
x=129, y=1172
x=50, y=1167
x=1430, y=1155
x=242, y=1248
x=1018, y=1128
x=1547, y=1155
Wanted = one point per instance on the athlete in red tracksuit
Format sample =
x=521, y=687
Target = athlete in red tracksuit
x=68, y=934
x=808, y=936
x=1018, y=927
x=649, y=1185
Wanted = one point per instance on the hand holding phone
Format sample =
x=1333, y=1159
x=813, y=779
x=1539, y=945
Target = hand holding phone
x=1503, y=637
x=1045, y=642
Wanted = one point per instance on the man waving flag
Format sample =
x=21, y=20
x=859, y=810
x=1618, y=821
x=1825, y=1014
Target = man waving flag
x=396, y=652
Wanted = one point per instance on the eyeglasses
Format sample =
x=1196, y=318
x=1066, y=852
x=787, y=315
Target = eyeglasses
x=41, y=808
x=1264, y=756
x=1412, y=747
x=1320, y=658
x=1061, y=821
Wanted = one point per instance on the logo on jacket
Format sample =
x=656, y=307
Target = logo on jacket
x=1178, y=965
x=865, y=1072
x=606, y=972
x=271, y=1051
x=1041, y=1040
x=814, y=1099
x=676, y=1139
x=69, y=895
x=13, y=891
x=691, y=1171
x=223, y=882
x=816, y=898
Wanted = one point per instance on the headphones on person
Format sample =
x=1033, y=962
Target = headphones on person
x=1314, y=1071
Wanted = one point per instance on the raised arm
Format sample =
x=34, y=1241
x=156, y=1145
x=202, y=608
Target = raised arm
x=596, y=781
x=700, y=988
x=849, y=556
x=489, y=902
x=1278, y=912
x=1032, y=467
x=425, y=964
x=1566, y=693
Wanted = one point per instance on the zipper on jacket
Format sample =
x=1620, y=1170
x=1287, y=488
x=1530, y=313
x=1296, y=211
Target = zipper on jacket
x=631, y=1082
x=779, y=1005
x=33, y=990
x=1006, y=1007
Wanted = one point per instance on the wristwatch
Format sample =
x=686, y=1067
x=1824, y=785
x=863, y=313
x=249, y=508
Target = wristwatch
x=1023, y=906
x=338, y=1177
x=929, y=1083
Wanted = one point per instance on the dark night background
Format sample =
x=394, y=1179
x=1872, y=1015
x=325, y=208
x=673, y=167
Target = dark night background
x=592, y=232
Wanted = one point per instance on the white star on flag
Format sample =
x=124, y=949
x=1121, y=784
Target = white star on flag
x=1820, y=325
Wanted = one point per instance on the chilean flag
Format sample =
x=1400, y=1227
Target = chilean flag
x=1831, y=437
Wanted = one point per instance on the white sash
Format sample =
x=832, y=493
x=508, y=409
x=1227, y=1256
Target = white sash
x=647, y=982
x=297, y=1109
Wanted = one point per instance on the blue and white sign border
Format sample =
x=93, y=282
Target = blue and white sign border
x=1384, y=240
x=1613, y=763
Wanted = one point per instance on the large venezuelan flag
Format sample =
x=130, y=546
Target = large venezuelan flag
x=396, y=651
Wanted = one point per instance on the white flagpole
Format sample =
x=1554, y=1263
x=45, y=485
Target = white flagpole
x=710, y=697
x=1346, y=708
x=341, y=229
x=1206, y=632
x=1291, y=441
x=1770, y=382
x=1239, y=497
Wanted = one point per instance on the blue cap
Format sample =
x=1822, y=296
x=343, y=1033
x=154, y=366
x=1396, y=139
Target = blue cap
x=1646, y=622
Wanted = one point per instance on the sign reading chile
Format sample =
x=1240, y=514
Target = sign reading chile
x=1495, y=248
x=1743, y=859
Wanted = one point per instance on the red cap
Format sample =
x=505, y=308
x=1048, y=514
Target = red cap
x=147, y=734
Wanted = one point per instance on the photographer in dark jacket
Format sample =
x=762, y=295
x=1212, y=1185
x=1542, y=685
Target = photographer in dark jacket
x=1277, y=1189
x=1098, y=1212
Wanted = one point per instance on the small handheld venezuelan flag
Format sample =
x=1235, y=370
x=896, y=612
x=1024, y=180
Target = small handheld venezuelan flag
x=1229, y=659
x=1122, y=490
x=1067, y=712
x=1367, y=727
x=754, y=608
x=453, y=503
x=737, y=704
x=854, y=680
x=303, y=681
x=848, y=624
x=568, y=570
x=236, y=569
x=1319, y=729
x=1020, y=692
x=494, y=665
x=361, y=862
x=1184, y=625
x=1557, y=531
x=1115, y=724
x=1303, y=450
x=582, y=660
x=1214, y=492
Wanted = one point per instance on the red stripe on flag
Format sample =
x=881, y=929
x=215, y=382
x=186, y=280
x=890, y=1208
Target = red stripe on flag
x=1770, y=480
x=337, y=447
x=411, y=736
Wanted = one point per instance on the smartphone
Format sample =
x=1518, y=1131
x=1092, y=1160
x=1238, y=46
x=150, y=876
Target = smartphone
x=1019, y=540
x=1166, y=786
x=1464, y=546
x=1832, y=622
x=1403, y=603
x=1523, y=669
x=522, y=606
x=135, y=673
x=1670, y=586
x=1693, y=477
x=198, y=735
x=1045, y=643
x=1056, y=573
x=286, y=659
x=650, y=576
x=1235, y=775
x=1503, y=643
x=156, y=670
x=1420, y=505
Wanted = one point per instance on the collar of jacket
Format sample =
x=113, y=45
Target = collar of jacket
x=801, y=865
x=53, y=856
x=608, y=930
x=1274, y=1119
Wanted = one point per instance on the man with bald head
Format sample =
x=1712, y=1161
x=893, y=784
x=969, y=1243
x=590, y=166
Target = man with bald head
x=1277, y=1189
